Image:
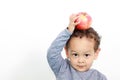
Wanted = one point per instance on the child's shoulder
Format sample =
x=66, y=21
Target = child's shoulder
x=98, y=74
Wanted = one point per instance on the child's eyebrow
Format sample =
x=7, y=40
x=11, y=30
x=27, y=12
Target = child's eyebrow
x=74, y=51
x=81, y=51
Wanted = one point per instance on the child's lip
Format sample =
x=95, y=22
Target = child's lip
x=81, y=66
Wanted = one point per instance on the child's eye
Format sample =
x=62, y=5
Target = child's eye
x=86, y=55
x=75, y=54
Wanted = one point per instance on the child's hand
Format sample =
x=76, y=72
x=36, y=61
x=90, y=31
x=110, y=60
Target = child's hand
x=72, y=22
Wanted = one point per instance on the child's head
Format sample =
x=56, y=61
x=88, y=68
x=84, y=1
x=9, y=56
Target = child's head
x=82, y=48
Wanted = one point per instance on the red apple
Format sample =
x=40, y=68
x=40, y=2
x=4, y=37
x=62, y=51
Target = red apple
x=85, y=21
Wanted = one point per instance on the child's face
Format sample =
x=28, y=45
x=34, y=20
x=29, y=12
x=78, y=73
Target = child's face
x=81, y=53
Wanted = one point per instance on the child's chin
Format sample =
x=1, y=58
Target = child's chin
x=82, y=70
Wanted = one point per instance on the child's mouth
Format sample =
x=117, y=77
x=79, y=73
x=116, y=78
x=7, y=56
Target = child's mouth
x=81, y=67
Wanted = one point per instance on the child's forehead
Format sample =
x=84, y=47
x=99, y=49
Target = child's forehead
x=79, y=39
x=77, y=43
x=81, y=52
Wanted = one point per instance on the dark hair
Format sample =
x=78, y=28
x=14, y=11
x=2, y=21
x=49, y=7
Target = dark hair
x=89, y=33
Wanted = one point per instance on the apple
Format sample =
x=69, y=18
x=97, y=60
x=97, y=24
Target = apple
x=85, y=21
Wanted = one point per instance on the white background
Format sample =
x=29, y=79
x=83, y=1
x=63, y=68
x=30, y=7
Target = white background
x=27, y=28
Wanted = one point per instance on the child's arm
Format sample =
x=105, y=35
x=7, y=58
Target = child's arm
x=54, y=57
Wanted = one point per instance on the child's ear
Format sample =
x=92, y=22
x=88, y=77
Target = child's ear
x=66, y=51
x=97, y=53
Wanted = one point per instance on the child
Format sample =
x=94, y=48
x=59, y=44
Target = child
x=82, y=48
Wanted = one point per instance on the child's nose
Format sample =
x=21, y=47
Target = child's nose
x=81, y=60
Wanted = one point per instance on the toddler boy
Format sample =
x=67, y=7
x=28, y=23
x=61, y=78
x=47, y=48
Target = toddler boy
x=81, y=47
